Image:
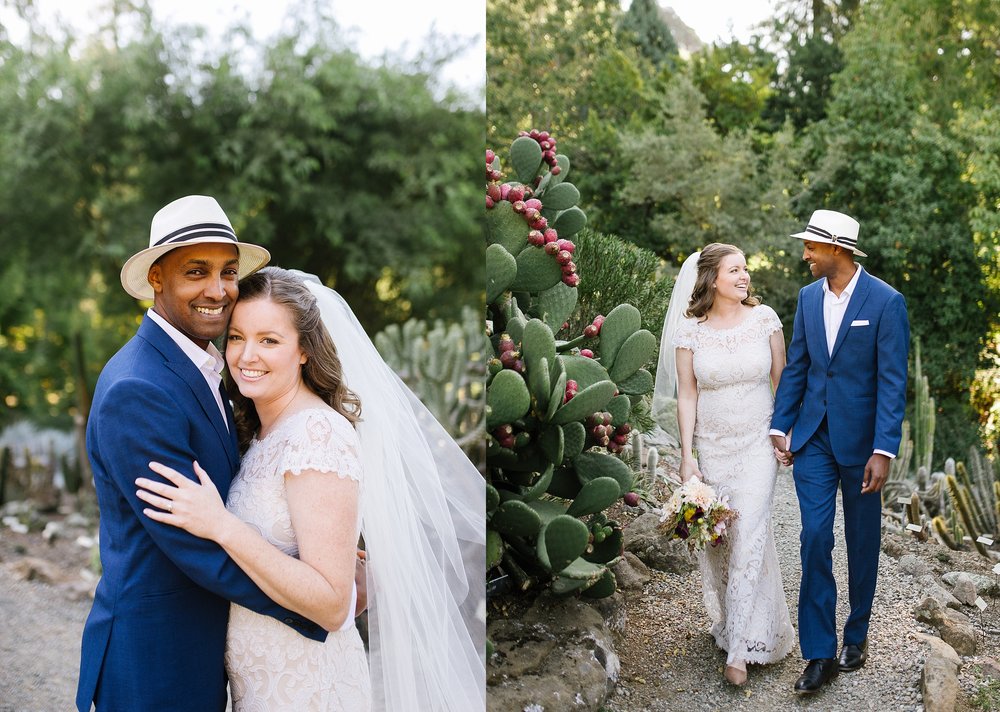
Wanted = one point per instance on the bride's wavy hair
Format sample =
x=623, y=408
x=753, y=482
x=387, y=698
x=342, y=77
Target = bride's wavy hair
x=703, y=296
x=321, y=373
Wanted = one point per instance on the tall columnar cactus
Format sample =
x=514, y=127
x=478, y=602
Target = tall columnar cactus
x=445, y=365
x=557, y=412
x=923, y=417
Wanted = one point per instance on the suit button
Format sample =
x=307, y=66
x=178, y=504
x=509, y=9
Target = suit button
x=829, y=374
x=289, y=621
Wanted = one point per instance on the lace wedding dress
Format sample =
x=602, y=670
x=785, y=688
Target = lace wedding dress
x=741, y=578
x=271, y=667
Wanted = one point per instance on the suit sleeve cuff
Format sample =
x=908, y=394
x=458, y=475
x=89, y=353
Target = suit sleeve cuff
x=777, y=432
x=890, y=455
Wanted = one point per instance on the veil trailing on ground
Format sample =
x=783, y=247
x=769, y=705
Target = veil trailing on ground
x=665, y=388
x=423, y=522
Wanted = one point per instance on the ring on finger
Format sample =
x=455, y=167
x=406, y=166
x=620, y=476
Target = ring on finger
x=170, y=507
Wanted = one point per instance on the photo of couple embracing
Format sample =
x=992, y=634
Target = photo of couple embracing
x=232, y=511
x=833, y=410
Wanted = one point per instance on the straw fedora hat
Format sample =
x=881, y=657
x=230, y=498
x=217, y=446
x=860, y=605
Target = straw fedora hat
x=832, y=228
x=191, y=220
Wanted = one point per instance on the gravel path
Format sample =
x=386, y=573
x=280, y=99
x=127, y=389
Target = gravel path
x=40, y=630
x=673, y=663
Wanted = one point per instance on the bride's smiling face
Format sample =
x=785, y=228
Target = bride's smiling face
x=262, y=350
x=733, y=279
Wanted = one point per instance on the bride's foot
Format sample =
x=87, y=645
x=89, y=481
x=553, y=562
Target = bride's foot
x=736, y=674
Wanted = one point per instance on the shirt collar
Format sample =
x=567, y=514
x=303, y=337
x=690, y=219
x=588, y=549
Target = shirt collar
x=849, y=289
x=207, y=359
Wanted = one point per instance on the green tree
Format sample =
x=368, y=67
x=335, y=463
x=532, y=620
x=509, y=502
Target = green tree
x=735, y=79
x=537, y=57
x=809, y=31
x=643, y=25
x=887, y=163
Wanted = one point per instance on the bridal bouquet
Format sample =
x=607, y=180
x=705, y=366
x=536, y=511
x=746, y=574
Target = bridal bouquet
x=696, y=515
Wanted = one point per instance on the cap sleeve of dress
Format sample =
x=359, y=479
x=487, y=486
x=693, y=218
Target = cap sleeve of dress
x=322, y=441
x=769, y=319
x=684, y=336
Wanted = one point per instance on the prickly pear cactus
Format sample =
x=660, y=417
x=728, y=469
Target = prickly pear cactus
x=557, y=411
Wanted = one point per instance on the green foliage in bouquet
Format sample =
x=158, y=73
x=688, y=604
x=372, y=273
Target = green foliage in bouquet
x=557, y=411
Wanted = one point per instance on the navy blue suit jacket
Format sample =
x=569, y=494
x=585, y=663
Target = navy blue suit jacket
x=861, y=387
x=156, y=635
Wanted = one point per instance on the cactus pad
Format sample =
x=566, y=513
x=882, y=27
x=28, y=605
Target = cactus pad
x=574, y=438
x=501, y=269
x=621, y=322
x=540, y=486
x=590, y=400
x=505, y=227
x=537, y=342
x=620, y=408
x=494, y=548
x=540, y=386
x=585, y=371
x=639, y=383
x=591, y=465
x=570, y=221
x=552, y=442
x=561, y=196
x=556, y=304
x=636, y=352
x=525, y=158
x=595, y=496
x=561, y=542
x=492, y=498
x=603, y=587
x=536, y=271
x=507, y=399
x=583, y=570
x=516, y=518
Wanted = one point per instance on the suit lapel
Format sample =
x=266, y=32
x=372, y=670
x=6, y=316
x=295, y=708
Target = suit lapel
x=861, y=291
x=234, y=445
x=816, y=325
x=178, y=362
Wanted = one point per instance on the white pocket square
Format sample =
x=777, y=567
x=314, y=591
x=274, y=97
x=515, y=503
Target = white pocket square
x=859, y=322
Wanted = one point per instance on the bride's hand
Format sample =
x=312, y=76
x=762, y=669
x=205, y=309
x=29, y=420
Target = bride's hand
x=689, y=469
x=196, y=508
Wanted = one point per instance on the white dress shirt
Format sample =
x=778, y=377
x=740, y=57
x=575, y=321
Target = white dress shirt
x=208, y=361
x=835, y=307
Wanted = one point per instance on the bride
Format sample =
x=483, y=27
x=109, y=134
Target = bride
x=335, y=446
x=726, y=355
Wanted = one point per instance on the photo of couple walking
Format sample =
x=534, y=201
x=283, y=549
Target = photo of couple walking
x=835, y=409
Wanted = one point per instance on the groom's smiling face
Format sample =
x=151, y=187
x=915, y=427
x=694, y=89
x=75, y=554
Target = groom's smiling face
x=195, y=289
x=819, y=256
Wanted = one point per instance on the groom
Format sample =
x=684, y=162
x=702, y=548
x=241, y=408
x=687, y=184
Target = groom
x=841, y=397
x=155, y=638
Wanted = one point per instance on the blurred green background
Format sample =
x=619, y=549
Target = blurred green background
x=365, y=172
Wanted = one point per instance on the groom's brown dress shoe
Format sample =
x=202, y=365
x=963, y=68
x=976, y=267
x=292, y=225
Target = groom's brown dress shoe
x=852, y=657
x=817, y=673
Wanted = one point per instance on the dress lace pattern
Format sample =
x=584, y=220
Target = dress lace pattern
x=271, y=667
x=741, y=579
